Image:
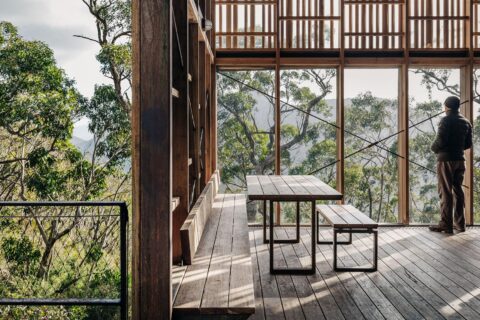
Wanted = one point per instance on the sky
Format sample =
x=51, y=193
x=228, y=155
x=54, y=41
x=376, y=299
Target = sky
x=55, y=22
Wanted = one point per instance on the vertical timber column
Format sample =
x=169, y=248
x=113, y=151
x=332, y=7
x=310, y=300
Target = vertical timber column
x=213, y=119
x=341, y=132
x=195, y=104
x=213, y=97
x=180, y=170
x=278, y=151
x=341, y=107
x=403, y=115
x=403, y=168
x=152, y=160
x=203, y=179
x=466, y=87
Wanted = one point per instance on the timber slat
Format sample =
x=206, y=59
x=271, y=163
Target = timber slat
x=289, y=188
x=420, y=275
x=219, y=281
x=345, y=216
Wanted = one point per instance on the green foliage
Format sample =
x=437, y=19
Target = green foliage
x=35, y=95
x=21, y=254
x=60, y=252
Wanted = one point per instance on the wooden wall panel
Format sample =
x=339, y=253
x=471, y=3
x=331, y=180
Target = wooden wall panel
x=180, y=171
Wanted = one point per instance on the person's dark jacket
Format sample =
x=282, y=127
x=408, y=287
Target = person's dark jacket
x=453, y=137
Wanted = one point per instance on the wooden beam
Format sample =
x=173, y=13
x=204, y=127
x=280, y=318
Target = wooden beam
x=195, y=103
x=213, y=121
x=208, y=119
x=340, y=131
x=152, y=159
x=466, y=87
x=277, y=112
x=180, y=167
x=403, y=138
x=202, y=114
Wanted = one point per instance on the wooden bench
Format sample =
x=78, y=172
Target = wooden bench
x=219, y=280
x=192, y=229
x=348, y=219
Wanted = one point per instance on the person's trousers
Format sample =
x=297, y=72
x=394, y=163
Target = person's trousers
x=452, y=199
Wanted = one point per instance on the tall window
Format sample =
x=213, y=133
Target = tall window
x=428, y=90
x=371, y=114
x=308, y=127
x=246, y=140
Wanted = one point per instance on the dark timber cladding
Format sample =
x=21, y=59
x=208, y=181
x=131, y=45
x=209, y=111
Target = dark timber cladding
x=152, y=116
x=180, y=182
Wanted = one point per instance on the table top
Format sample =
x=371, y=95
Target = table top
x=289, y=188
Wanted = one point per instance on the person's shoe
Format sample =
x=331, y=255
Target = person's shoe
x=458, y=228
x=440, y=229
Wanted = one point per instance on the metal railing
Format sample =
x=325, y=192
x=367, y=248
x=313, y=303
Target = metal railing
x=34, y=214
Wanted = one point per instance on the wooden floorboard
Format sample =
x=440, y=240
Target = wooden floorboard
x=421, y=275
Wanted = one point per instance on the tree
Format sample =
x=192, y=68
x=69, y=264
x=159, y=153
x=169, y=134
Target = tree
x=245, y=145
x=38, y=107
x=113, y=25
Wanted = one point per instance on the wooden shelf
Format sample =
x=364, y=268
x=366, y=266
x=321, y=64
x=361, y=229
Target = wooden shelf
x=175, y=93
x=175, y=203
x=194, y=17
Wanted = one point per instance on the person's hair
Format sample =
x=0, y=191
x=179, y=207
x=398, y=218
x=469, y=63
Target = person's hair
x=452, y=103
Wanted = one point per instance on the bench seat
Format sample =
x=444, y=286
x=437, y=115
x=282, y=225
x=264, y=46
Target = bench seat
x=219, y=281
x=348, y=219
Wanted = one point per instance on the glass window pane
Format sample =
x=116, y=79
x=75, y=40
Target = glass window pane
x=308, y=128
x=428, y=88
x=246, y=140
x=371, y=114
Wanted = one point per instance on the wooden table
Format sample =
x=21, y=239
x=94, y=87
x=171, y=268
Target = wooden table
x=290, y=188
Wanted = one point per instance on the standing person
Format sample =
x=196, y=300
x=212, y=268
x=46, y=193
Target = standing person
x=454, y=136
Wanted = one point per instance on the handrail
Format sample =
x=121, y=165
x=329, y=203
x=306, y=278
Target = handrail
x=123, y=215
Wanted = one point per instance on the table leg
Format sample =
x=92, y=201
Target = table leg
x=265, y=221
x=297, y=240
x=314, y=236
x=293, y=271
x=271, y=236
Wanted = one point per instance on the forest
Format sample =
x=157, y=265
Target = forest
x=308, y=137
x=63, y=252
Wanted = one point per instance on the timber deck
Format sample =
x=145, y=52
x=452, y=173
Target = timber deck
x=420, y=275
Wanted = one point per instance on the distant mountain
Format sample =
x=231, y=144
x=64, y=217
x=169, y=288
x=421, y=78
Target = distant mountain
x=84, y=146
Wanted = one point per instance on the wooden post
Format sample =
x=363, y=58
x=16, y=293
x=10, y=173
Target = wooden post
x=201, y=115
x=152, y=159
x=341, y=132
x=213, y=119
x=403, y=165
x=278, y=119
x=180, y=174
x=341, y=107
x=466, y=87
x=195, y=104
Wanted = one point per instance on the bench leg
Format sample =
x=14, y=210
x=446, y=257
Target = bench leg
x=266, y=240
x=349, y=241
x=336, y=231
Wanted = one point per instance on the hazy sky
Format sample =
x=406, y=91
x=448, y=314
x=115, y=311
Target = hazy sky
x=55, y=22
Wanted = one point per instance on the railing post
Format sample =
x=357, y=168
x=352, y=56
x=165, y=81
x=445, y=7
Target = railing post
x=123, y=261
